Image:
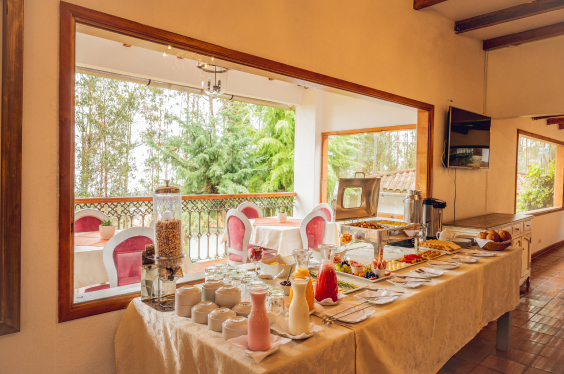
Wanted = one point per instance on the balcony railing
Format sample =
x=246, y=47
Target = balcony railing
x=203, y=216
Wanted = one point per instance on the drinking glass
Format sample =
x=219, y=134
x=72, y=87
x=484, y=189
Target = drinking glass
x=276, y=301
x=256, y=256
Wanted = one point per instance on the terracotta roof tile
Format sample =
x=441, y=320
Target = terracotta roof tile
x=396, y=181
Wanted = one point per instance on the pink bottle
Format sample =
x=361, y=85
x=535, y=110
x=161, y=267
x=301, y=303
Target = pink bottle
x=259, y=323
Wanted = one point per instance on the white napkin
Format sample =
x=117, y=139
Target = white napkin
x=356, y=317
x=376, y=294
x=283, y=329
x=243, y=343
x=482, y=242
x=330, y=301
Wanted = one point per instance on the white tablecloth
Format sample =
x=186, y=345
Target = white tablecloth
x=285, y=239
x=416, y=334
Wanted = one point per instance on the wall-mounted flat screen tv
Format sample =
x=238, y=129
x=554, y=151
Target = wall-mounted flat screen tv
x=468, y=140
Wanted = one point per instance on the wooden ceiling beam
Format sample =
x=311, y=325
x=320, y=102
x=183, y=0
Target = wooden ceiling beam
x=555, y=121
x=420, y=4
x=524, y=37
x=508, y=14
x=545, y=117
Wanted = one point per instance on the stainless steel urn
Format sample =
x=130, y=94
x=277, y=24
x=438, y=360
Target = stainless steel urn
x=413, y=206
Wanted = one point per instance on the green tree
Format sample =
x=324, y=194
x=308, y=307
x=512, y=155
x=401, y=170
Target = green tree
x=539, y=188
x=275, y=147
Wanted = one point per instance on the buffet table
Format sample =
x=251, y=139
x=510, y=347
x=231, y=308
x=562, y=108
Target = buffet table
x=417, y=333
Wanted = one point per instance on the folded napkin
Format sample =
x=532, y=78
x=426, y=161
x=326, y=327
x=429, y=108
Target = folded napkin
x=330, y=301
x=283, y=329
x=376, y=294
x=243, y=343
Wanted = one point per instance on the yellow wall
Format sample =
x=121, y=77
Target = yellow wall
x=526, y=80
x=378, y=43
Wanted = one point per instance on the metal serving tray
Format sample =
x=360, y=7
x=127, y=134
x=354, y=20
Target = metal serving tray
x=380, y=237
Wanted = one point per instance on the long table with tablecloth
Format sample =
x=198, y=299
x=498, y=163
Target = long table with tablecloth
x=417, y=333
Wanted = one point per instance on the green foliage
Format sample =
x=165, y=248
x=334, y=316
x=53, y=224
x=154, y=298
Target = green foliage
x=106, y=223
x=539, y=188
x=275, y=147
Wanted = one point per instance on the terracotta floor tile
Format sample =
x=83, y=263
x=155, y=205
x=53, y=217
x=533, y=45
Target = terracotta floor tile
x=487, y=334
x=517, y=322
x=553, y=353
x=556, y=342
x=542, y=328
x=483, y=370
x=532, y=335
x=547, y=364
x=517, y=355
x=475, y=352
x=528, y=308
x=521, y=314
x=551, y=313
x=526, y=345
x=535, y=371
x=503, y=365
x=457, y=366
x=533, y=302
x=546, y=320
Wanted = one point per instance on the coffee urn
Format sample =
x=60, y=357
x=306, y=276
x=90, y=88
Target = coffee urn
x=412, y=206
x=433, y=216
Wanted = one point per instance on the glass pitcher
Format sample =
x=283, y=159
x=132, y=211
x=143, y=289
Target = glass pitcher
x=301, y=257
x=326, y=286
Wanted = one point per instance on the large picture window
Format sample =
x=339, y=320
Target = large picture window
x=540, y=179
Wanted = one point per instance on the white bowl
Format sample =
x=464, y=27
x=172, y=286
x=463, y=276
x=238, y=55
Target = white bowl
x=282, y=265
x=243, y=309
x=189, y=295
x=201, y=310
x=227, y=296
x=286, y=289
x=234, y=327
x=217, y=317
x=268, y=279
x=357, y=269
x=183, y=310
x=209, y=288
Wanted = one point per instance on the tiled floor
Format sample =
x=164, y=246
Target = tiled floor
x=537, y=344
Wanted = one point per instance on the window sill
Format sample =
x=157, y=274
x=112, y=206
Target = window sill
x=541, y=212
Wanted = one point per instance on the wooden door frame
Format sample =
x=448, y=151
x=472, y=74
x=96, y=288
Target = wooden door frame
x=71, y=14
x=11, y=166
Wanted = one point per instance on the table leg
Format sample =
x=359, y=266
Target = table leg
x=503, y=341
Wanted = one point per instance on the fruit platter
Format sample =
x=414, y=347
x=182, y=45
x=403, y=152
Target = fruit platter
x=404, y=262
x=364, y=271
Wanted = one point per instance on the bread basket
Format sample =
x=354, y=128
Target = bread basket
x=490, y=245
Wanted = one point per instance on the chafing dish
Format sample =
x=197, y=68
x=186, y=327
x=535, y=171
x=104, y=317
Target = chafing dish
x=357, y=200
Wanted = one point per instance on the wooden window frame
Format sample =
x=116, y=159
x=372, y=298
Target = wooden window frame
x=424, y=153
x=11, y=166
x=71, y=14
x=558, y=174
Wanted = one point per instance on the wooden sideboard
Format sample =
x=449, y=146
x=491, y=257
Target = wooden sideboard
x=519, y=225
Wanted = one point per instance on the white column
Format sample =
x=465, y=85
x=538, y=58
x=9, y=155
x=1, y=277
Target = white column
x=307, y=154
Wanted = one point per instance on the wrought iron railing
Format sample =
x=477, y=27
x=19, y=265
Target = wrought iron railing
x=203, y=216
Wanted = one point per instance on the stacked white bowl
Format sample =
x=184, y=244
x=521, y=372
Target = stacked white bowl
x=186, y=298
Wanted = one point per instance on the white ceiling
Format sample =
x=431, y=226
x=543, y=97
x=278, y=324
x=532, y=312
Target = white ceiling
x=457, y=10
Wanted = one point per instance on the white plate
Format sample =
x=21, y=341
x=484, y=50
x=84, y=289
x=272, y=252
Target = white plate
x=481, y=253
x=442, y=265
x=380, y=297
x=465, y=259
x=409, y=285
x=429, y=273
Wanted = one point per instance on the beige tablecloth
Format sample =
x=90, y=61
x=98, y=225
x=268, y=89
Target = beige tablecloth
x=417, y=333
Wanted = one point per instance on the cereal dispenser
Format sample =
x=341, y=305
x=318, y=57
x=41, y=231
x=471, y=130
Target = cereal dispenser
x=169, y=251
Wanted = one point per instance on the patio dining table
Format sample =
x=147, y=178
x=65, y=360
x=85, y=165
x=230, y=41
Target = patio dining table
x=283, y=237
x=89, y=266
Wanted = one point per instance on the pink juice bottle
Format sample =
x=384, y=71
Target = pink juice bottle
x=326, y=286
x=259, y=323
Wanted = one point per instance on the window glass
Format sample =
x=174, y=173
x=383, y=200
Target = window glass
x=537, y=187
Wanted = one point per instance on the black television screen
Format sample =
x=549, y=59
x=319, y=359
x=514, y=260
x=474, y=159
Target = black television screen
x=468, y=143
